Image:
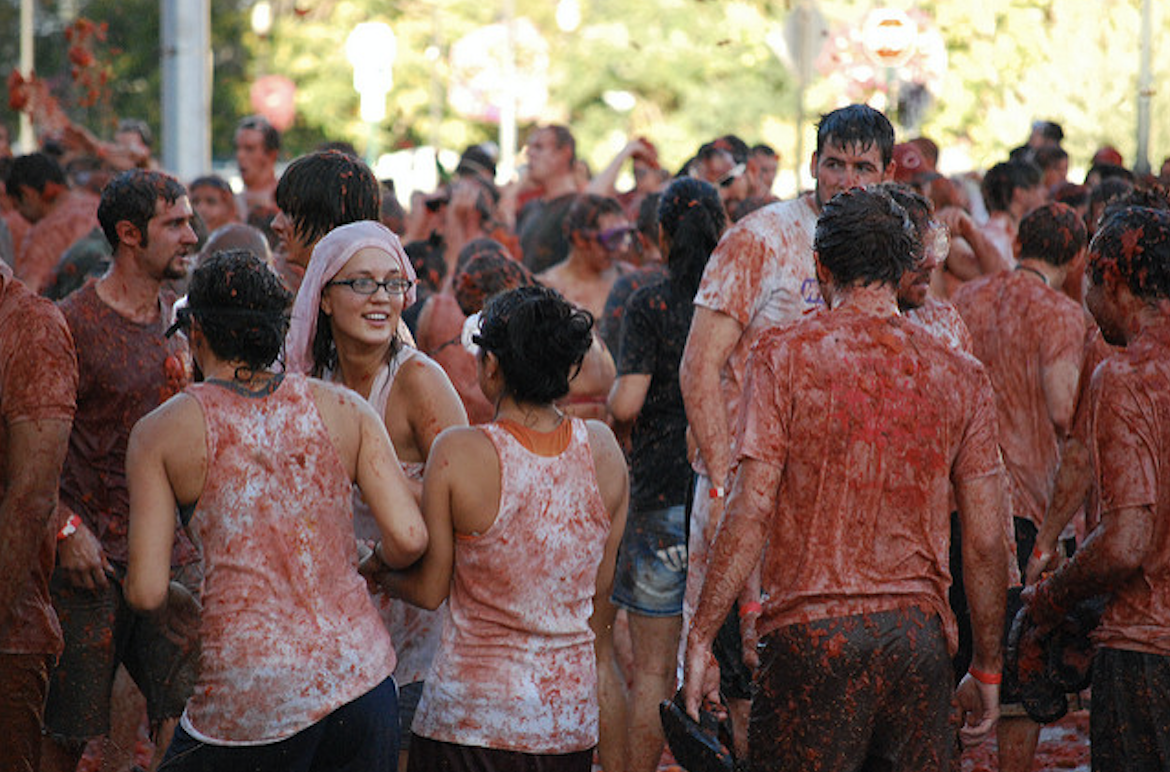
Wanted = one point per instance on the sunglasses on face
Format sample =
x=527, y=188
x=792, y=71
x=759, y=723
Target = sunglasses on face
x=727, y=180
x=616, y=239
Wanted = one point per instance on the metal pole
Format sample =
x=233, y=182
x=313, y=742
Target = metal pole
x=1145, y=92
x=28, y=142
x=507, y=165
x=186, y=87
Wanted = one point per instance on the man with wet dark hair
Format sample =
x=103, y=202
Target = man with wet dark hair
x=855, y=425
x=552, y=155
x=318, y=192
x=257, y=145
x=127, y=367
x=1010, y=190
x=1126, y=557
x=762, y=275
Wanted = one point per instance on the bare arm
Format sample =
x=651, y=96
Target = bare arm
x=1069, y=490
x=627, y=396
x=383, y=485
x=1060, y=379
x=988, y=258
x=614, y=482
x=604, y=183
x=982, y=512
x=712, y=338
x=152, y=516
x=36, y=451
x=752, y=503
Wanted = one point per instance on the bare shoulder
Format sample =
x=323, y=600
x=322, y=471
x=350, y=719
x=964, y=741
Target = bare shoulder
x=174, y=418
x=462, y=444
x=421, y=373
x=335, y=400
x=607, y=454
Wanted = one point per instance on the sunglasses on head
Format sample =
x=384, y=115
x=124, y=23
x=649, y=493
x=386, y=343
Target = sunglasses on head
x=616, y=239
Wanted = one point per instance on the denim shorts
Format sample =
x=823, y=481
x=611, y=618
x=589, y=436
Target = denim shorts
x=651, y=574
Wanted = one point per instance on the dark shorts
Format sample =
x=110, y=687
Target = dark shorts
x=360, y=736
x=24, y=680
x=1129, y=724
x=651, y=574
x=427, y=755
x=101, y=632
x=408, y=697
x=865, y=691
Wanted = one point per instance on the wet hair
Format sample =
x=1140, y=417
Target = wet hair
x=1050, y=130
x=1053, y=233
x=430, y=266
x=1049, y=156
x=692, y=217
x=132, y=197
x=211, y=181
x=1104, y=171
x=563, y=138
x=763, y=150
x=539, y=339
x=1132, y=245
x=859, y=125
x=586, y=211
x=324, y=189
x=483, y=270
x=1072, y=194
x=864, y=237
x=1002, y=180
x=236, y=235
x=918, y=207
x=35, y=170
x=241, y=307
x=260, y=123
x=647, y=221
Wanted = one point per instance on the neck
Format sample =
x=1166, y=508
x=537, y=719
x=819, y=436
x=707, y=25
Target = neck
x=1051, y=275
x=234, y=372
x=358, y=366
x=560, y=185
x=1148, y=316
x=541, y=417
x=873, y=299
x=130, y=293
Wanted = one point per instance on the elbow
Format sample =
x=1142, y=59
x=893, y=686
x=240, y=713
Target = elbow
x=144, y=600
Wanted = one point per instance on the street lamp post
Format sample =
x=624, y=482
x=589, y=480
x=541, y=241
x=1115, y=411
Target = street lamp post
x=371, y=48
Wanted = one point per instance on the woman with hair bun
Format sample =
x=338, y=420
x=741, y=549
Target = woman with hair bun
x=525, y=515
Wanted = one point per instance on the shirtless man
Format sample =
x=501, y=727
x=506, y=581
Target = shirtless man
x=599, y=238
x=855, y=425
x=1010, y=190
x=1031, y=338
x=38, y=387
x=760, y=276
x=1126, y=556
x=257, y=148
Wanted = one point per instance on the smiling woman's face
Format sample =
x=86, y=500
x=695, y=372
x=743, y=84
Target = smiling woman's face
x=366, y=320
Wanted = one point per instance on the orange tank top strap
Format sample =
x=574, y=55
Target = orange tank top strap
x=551, y=443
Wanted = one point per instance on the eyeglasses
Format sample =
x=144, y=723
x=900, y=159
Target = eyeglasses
x=616, y=239
x=367, y=286
x=727, y=180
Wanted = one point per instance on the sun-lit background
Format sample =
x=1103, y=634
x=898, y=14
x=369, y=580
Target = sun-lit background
x=438, y=76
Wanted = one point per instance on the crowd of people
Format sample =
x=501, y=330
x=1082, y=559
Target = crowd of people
x=299, y=477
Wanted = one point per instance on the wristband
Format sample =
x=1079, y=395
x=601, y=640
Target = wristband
x=715, y=492
x=1040, y=554
x=755, y=607
x=987, y=679
x=69, y=528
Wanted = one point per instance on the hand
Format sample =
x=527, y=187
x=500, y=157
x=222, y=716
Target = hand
x=81, y=558
x=1042, y=561
x=179, y=617
x=701, y=680
x=750, y=638
x=978, y=705
x=957, y=221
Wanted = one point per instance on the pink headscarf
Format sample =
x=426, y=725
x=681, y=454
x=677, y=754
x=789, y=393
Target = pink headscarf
x=329, y=257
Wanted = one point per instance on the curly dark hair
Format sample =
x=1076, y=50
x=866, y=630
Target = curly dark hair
x=691, y=215
x=241, y=307
x=1133, y=246
x=864, y=237
x=132, y=196
x=540, y=340
x=327, y=188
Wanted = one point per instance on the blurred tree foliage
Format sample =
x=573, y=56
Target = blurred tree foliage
x=696, y=69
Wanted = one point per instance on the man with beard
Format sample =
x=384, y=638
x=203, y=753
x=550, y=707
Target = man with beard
x=127, y=367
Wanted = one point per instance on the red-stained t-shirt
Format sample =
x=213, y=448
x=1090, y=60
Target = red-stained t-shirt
x=288, y=632
x=42, y=246
x=871, y=419
x=1021, y=327
x=762, y=274
x=516, y=668
x=126, y=370
x=944, y=320
x=1130, y=423
x=38, y=381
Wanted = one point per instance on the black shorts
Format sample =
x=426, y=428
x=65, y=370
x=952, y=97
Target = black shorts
x=427, y=755
x=1129, y=724
x=360, y=736
x=864, y=691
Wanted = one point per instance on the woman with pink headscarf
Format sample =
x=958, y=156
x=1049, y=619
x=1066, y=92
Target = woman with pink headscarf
x=345, y=328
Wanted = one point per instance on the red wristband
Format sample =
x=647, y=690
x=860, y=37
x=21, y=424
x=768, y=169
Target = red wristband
x=70, y=527
x=987, y=679
x=715, y=492
x=1040, y=554
x=755, y=607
